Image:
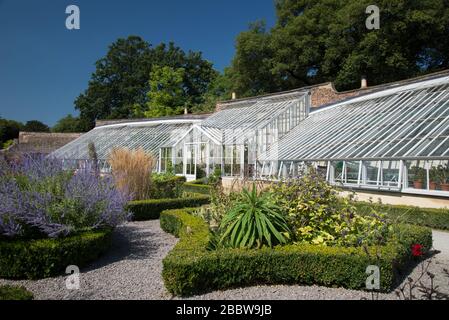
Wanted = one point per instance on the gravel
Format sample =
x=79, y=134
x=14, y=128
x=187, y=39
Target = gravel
x=132, y=270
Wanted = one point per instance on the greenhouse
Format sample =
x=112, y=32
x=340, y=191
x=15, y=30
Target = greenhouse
x=395, y=139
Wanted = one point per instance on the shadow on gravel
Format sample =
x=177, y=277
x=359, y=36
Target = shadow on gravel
x=129, y=242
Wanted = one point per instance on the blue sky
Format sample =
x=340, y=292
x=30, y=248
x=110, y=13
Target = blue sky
x=44, y=66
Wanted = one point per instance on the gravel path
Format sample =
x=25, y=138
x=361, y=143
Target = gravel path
x=132, y=270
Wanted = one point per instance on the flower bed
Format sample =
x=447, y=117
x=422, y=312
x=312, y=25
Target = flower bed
x=151, y=209
x=190, y=268
x=51, y=217
x=42, y=258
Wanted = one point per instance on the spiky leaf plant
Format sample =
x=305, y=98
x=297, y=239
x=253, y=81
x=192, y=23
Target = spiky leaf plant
x=253, y=221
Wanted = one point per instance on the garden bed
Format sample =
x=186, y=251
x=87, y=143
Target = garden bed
x=428, y=217
x=190, y=268
x=42, y=258
x=151, y=209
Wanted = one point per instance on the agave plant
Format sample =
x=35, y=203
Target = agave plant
x=253, y=221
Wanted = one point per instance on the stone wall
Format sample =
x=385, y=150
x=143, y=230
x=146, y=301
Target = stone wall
x=40, y=142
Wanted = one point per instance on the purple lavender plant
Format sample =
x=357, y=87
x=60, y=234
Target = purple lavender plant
x=39, y=198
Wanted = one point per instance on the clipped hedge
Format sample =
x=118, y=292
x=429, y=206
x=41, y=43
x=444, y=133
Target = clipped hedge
x=151, y=209
x=163, y=187
x=197, y=188
x=42, y=258
x=191, y=269
x=15, y=293
x=428, y=217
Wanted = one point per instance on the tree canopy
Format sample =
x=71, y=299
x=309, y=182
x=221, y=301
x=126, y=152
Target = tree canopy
x=317, y=41
x=35, y=126
x=68, y=124
x=122, y=80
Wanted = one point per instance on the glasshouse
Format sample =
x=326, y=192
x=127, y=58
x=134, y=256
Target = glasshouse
x=395, y=138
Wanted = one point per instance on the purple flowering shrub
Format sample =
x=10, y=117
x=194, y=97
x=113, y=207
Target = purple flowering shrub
x=39, y=198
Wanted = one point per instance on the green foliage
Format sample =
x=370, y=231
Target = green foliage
x=15, y=293
x=120, y=84
x=318, y=41
x=429, y=217
x=35, y=126
x=197, y=188
x=68, y=124
x=253, y=221
x=150, y=209
x=318, y=215
x=7, y=144
x=9, y=130
x=190, y=268
x=42, y=258
x=165, y=186
x=165, y=97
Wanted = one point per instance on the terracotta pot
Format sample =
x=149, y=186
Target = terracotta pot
x=445, y=186
x=432, y=185
x=417, y=184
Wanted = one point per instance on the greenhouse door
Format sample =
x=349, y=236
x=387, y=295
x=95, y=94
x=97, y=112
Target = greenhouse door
x=196, y=161
x=190, y=161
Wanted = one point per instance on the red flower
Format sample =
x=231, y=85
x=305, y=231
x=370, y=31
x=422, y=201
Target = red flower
x=417, y=250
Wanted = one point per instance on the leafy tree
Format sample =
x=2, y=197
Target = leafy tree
x=166, y=92
x=119, y=87
x=9, y=130
x=68, y=124
x=119, y=81
x=251, y=70
x=220, y=89
x=35, y=126
x=327, y=40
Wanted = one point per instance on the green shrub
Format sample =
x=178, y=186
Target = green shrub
x=165, y=186
x=428, y=217
x=317, y=215
x=190, y=268
x=253, y=221
x=42, y=258
x=197, y=188
x=150, y=209
x=15, y=293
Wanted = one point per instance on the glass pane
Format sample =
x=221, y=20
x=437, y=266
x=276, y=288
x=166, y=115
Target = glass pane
x=416, y=174
x=390, y=173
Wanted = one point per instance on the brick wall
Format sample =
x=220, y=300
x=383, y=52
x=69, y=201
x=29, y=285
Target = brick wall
x=326, y=94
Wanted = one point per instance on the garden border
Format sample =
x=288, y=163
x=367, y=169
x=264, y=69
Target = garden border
x=42, y=258
x=190, y=268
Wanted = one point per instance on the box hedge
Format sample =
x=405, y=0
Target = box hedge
x=428, y=217
x=15, y=293
x=42, y=258
x=197, y=188
x=164, y=187
x=191, y=269
x=151, y=209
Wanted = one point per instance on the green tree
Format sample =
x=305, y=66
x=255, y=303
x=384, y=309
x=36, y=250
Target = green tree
x=166, y=95
x=327, y=40
x=68, y=124
x=251, y=69
x=9, y=130
x=35, y=126
x=120, y=84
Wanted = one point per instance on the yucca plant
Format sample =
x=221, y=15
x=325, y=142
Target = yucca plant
x=253, y=221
